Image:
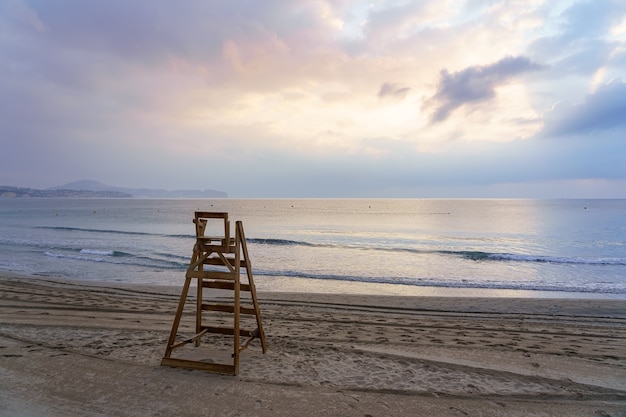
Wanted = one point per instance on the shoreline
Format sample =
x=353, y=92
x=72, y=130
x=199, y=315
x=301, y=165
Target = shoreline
x=329, y=286
x=463, y=304
x=290, y=285
x=83, y=348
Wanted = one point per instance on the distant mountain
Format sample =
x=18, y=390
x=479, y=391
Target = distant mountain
x=7, y=191
x=91, y=185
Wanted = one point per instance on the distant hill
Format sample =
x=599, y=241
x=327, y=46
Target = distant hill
x=13, y=192
x=90, y=185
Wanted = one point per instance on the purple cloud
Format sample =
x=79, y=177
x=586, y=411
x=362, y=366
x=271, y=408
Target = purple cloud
x=602, y=110
x=475, y=84
x=393, y=90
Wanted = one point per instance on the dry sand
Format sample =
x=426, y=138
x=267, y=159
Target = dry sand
x=73, y=349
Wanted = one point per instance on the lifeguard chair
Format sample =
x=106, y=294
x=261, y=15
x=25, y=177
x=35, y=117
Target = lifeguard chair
x=216, y=263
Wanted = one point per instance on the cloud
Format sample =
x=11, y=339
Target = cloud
x=175, y=94
x=393, y=90
x=21, y=13
x=581, y=44
x=602, y=110
x=475, y=84
x=586, y=19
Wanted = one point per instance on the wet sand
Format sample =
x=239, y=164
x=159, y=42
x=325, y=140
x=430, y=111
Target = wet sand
x=69, y=348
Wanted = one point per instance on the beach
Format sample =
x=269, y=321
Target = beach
x=73, y=348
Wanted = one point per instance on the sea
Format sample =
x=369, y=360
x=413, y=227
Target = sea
x=429, y=247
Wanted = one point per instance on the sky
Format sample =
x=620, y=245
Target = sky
x=305, y=98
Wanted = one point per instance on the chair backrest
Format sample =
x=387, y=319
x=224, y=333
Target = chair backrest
x=213, y=236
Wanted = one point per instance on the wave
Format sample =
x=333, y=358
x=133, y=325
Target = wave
x=179, y=264
x=284, y=242
x=486, y=256
x=104, y=252
x=467, y=254
x=167, y=261
x=164, y=261
x=470, y=255
x=80, y=229
x=119, y=232
x=479, y=256
x=581, y=287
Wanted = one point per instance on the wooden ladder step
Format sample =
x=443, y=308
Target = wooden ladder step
x=226, y=276
x=225, y=285
x=220, y=262
x=203, y=366
x=209, y=246
x=227, y=330
x=227, y=308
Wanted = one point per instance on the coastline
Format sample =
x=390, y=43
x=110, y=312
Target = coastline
x=282, y=284
x=76, y=348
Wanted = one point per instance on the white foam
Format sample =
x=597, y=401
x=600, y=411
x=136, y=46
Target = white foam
x=97, y=252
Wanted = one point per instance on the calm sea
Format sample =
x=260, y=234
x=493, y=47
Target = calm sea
x=525, y=248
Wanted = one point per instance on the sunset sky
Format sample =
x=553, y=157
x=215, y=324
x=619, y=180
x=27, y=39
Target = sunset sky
x=307, y=98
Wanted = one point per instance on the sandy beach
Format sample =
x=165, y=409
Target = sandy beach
x=70, y=349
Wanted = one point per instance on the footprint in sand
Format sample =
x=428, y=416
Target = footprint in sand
x=459, y=411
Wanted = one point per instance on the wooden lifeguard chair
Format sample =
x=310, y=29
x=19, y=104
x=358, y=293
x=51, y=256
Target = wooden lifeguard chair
x=216, y=264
